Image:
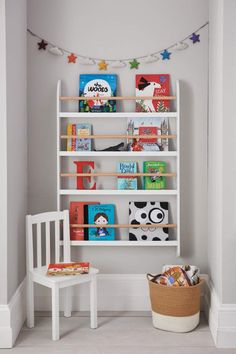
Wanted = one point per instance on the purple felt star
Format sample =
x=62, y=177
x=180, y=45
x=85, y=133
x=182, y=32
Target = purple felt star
x=195, y=38
x=165, y=55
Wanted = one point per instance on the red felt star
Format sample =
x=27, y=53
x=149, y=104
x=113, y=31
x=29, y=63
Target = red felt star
x=72, y=58
x=42, y=45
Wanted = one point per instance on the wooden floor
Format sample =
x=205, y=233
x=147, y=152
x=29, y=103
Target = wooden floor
x=118, y=333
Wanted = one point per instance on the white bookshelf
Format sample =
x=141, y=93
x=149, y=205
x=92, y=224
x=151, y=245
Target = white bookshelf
x=156, y=194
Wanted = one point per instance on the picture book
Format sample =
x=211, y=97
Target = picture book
x=127, y=182
x=73, y=268
x=83, y=144
x=100, y=215
x=71, y=142
x=154, y=182
x=148, y=213
x=75, y=144
x=147, y=126
x=97, y=85
x=77, y=217
x=152, y=85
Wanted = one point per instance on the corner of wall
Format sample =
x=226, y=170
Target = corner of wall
x=12, y=317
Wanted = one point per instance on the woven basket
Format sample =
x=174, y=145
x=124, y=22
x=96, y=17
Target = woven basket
x=175, y=309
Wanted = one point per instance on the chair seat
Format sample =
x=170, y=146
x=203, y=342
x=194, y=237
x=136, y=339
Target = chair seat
x=39, y=276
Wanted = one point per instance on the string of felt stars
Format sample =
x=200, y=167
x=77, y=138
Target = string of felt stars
x=164, y=54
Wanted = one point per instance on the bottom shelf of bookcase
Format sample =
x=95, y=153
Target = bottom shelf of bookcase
x=125, y=243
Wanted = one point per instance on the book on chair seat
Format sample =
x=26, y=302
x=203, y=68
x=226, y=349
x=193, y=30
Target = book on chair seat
x=72, y=268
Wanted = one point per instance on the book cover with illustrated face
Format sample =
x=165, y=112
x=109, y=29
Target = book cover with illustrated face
x=97, y=85
x=148, y=213
x=152, y=85
x=101, y=215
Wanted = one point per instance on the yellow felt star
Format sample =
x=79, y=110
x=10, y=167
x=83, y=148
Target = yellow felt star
x=102, y=65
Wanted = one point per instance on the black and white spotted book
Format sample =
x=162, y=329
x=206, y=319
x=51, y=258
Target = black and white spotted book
x=148, y=213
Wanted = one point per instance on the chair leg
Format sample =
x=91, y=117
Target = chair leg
x=67, y=301
x=30, y=303
x=93, y=302
x=55, y=312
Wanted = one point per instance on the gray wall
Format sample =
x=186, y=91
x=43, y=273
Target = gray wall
x=222, y=159
x=3, y=157
x=128, y=30
x=16, y=142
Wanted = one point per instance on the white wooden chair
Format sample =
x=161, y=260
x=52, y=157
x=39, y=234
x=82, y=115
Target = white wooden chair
x=37, y=268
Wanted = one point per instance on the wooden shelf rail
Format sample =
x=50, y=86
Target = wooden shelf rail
x=117, y=98
x=118, y=136
x=123, y=175
x=125, y=226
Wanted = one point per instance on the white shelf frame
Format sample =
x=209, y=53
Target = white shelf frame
x=117, y=192
x=119, y=243
x=118, y=153
x=167, y=154
x=117, y=115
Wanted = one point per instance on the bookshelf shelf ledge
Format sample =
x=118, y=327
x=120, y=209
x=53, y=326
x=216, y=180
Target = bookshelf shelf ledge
x=119, y=243
x=118, y=192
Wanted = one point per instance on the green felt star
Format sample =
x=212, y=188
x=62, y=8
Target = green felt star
x=134, y=64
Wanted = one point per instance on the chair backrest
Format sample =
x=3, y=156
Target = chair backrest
x=34, y=236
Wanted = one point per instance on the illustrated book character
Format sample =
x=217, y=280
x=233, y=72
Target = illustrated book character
x=145, y=127
x=100, y=215
x=77, y=217
x=148, y=213
x=97, y=85
x=154, y=182
x=73, y=268
x=129, y=182
x=149, y=86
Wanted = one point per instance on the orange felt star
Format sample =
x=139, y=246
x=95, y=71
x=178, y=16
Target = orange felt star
x=102, y=65
x=72, y=58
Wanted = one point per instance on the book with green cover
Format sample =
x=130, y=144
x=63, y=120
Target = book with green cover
x=154, y=182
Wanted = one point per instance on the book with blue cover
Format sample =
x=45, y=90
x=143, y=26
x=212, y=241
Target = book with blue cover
x=128, y=183
x=101, y=215
x=97, y=85
x=83, y=144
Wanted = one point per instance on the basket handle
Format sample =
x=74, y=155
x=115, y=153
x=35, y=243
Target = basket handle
x=152, y=277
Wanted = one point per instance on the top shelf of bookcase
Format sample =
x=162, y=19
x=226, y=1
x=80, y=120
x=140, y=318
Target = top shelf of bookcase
x=117, y=115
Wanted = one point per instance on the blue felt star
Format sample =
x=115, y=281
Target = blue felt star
x=166, y=55
x=195, y=38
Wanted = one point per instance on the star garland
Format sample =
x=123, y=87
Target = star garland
x=164, y=54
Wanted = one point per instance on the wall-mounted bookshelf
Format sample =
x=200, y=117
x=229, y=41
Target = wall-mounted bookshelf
x=67, y=191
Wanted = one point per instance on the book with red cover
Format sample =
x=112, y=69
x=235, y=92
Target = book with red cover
x=73, y=268
x=152, y=85
x=77, y=217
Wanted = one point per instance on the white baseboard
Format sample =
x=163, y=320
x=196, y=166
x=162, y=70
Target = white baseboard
x=116, y=292
x=12, y=317
x=221, y=319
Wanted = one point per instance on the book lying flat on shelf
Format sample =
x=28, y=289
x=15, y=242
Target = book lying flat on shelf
x=100, y=215
x=148, y=213
x=97, y=85
x=129, y=183
x=154, y=182
x=77, y=217
x=147, y=126
x=152, y=85
x=75, y=144
x=73, y=268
